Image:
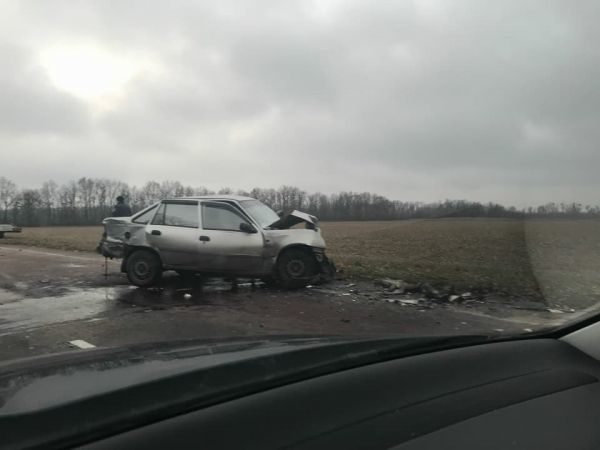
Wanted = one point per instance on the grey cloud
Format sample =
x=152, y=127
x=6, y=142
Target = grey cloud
x=29, y=104
x=466, y=99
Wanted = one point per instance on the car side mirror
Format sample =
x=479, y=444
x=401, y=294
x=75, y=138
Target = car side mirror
x=247, y=228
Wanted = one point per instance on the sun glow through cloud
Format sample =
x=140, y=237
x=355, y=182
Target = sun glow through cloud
x=88, y=72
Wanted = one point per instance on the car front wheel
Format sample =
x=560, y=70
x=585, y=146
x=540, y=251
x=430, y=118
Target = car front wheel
x=295, y=268
x=143, y=268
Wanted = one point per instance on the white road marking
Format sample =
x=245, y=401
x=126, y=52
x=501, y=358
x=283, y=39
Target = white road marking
x=80, y=343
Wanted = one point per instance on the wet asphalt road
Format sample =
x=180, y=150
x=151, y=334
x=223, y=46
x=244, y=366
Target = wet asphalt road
x=49, y=298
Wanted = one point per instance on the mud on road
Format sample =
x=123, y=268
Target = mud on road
x=49, y=298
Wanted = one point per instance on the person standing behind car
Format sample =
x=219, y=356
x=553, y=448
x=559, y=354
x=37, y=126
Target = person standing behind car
x=121, y=209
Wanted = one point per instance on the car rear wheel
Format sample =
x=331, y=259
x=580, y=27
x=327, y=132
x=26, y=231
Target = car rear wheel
x=1, y=234
x=295, y=268
x=143, y=268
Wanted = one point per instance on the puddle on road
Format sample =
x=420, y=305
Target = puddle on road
x=28, y=312
x=18, y=312
x=171, y=294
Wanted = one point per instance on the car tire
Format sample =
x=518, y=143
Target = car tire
x=295, y=268
x=143, y=268
x=1, y=234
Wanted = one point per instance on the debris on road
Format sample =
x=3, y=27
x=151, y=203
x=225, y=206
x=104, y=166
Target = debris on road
x=320, y=290
x=391, y=284
x=438, y=293
x=396, y=286
x=408, y=301
x=401, y=287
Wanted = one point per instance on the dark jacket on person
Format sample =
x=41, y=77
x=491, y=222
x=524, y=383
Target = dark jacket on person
x=121, y=210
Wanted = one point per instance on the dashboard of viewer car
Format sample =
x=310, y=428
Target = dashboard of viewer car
x=540, y=393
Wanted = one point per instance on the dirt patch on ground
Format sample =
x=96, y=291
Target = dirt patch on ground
x=487, y=254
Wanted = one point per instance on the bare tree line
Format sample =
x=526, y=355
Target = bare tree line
x=87, y=201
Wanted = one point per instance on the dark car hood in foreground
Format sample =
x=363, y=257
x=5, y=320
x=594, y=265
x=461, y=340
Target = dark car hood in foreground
x=41, y=382
x=99, y=392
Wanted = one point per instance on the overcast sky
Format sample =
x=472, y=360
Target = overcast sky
x=416, y=100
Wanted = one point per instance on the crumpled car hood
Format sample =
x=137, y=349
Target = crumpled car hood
x=294, y=218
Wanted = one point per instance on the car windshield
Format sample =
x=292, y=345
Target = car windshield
x=440, y=157
x=260, y=212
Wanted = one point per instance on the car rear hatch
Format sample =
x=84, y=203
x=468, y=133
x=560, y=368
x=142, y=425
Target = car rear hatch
x=118, y=233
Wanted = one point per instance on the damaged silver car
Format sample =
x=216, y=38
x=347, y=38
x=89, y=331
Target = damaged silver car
x=224, y=235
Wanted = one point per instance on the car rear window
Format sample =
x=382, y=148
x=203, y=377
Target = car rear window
x=145, y=217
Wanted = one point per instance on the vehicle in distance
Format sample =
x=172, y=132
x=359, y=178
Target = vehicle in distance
x=8, y=228
x=224, y=235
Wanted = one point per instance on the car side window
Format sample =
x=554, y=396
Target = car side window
x=217, y=216
x=177, y=215
x=159, y=218
x=145, y=217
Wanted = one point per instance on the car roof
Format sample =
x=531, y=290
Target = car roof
x=214, y=197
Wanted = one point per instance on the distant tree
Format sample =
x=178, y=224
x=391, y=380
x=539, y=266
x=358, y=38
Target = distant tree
x=171, y=189
x=150, y=193
x=8, y=196
x=88, y=200
x=49, y=199
x=86, y=193
x=202, y=191
x=30, y=201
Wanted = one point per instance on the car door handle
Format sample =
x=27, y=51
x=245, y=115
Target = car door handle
x=204, y=238
x=156, y=233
